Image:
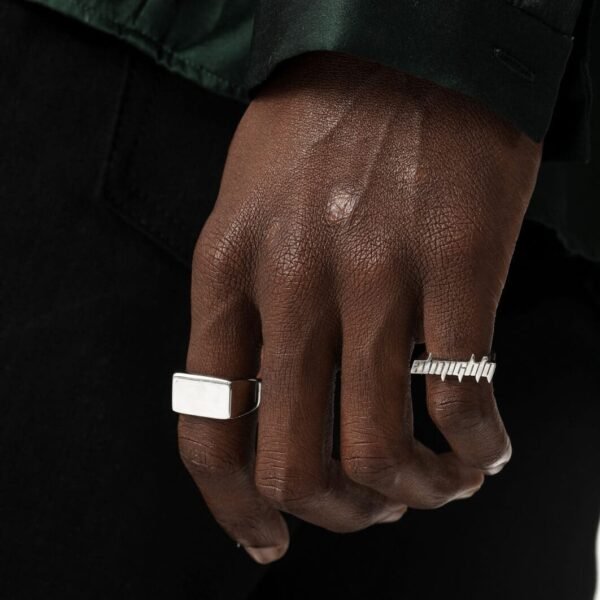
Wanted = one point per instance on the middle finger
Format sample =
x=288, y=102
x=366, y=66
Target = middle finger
x=378, y=447
x=294, y=465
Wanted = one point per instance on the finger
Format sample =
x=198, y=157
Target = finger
x=225, y=342
x=295, y=469
x=464, y=411
x=378, y=448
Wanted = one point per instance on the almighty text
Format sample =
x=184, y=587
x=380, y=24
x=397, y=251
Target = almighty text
x=460, y=368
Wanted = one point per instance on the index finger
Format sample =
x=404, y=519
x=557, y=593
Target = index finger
x=220, y=456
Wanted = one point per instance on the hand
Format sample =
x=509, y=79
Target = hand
x=361, y=211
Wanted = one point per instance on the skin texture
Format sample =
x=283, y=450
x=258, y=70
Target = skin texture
x=361, y=211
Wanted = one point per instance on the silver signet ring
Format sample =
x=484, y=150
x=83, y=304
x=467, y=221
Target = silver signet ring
x=214, y=397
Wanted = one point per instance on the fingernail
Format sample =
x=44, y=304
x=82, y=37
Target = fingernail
x=394, y=516
x=265, y=555
x=496, y=467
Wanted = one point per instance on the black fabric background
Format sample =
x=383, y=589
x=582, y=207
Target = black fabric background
x=104, y=185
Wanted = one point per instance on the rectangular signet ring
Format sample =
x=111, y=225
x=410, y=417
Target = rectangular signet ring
x=214, y=397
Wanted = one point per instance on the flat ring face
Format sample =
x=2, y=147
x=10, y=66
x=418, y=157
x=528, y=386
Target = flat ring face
x=213, y=397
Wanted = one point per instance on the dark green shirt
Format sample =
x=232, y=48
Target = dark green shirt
x=528, y=60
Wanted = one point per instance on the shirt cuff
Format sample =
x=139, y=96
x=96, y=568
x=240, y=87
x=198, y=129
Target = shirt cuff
x=489, y=50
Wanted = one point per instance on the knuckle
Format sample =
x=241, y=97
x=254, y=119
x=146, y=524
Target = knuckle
x=287, y=491
x=210, y=252
x=370, y=267
x=292, y=263
x=293, y=257
x=454, y=232
x=220, y=257
x=204, y=461
x=369, y=470
x=457, y=413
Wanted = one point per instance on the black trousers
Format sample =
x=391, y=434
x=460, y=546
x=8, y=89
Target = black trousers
x=109, y=166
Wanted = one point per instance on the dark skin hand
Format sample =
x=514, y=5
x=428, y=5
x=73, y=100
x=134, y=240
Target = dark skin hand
x=361, y=211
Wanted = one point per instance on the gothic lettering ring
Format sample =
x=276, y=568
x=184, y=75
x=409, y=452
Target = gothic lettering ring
x=459, y=368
